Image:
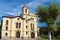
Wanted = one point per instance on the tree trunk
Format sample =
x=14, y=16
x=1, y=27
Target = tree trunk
x=49, y=36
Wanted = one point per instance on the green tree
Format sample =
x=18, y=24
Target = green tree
x=48, y=15
x=58, y=25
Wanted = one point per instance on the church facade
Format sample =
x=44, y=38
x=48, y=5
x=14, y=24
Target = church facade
x=21, y=26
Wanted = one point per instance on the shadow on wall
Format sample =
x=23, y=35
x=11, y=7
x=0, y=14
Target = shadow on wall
x=0, y=28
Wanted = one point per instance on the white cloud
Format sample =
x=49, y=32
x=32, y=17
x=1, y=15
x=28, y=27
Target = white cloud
x=33, y=4
x=2, y=13
x=11, y=10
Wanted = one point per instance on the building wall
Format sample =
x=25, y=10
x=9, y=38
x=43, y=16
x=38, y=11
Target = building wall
x=14, y=29
x=26, y=16
x=12, y=25
x=4, y=26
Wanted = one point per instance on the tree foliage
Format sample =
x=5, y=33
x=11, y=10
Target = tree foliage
x=58, y=25
x=48, y=14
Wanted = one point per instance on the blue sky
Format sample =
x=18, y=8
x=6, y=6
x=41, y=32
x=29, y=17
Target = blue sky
x=13, y=7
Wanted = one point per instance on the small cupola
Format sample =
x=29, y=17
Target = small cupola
x=25, y=9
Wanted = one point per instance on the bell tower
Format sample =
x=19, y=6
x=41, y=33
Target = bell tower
x=24, y=9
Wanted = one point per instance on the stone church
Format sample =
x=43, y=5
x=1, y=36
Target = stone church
x=21, y=26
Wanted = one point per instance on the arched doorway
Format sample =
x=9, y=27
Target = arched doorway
x=32, y=35
x=17, y=34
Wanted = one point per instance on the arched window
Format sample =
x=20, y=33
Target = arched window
x=17, y=18
x=26, y=32
x=26, y=21
x=7, y=28
x=19, y=25
x=26, y=26
x=6, y=34
x=32, y=18
x=6, y=22
x=25, y=10
x=31, y=26
x=16, y=25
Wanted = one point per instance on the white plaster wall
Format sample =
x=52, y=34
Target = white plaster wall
x=12, y=25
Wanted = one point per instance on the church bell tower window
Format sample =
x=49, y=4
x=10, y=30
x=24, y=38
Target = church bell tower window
x=25, y=10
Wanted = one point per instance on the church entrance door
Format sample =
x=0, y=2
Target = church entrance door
x=32, y=35
x=17, y=34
